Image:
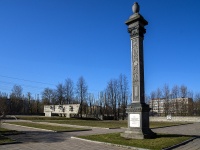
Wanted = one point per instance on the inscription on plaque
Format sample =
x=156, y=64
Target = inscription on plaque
x=134, y=120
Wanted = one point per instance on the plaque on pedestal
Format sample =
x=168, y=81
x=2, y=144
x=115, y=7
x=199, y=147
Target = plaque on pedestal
x=134, y=120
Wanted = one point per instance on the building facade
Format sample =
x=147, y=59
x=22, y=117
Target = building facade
x=176, y=106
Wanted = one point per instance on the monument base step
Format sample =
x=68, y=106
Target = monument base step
x=139, y=134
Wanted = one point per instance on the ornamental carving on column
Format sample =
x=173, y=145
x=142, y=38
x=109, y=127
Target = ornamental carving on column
x=141, y=62
x=135, y=48
x=137, y=31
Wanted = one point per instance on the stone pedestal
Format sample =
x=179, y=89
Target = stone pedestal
x=138, y=111
x=138, y=122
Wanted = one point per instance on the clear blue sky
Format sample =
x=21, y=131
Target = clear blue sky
x=50, y=40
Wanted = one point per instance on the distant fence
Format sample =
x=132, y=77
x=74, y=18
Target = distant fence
x=175, y=119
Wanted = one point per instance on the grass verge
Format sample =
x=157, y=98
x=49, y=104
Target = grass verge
x=4, y=139
x=90, y=123
x=166, y=124
x=94, y=123
x=48, y=127
x=162, y=140
x=4, y=131
x=110, y=124
x=43, y=118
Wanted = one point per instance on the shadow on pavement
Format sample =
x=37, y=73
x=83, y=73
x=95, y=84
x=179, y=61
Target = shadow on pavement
x=38, y=136
x=171, y=135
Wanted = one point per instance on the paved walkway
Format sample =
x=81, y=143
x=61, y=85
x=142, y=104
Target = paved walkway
x=36, y=139
x=189, y=129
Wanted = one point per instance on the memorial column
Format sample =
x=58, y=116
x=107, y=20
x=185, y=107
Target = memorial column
x=138, y=111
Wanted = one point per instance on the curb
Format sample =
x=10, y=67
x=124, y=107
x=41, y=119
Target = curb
x=171, y=126
x=50, y=130
x=8, y=143
x=30, y=127
x=78, y=126
x=180, y=144
x=13, y=142
x=117, y=145
x=136, y=148
x=75, y=130
x=17, y=133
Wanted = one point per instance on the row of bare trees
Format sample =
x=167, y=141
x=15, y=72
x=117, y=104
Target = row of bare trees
x=175, y=100
x=17, y=103
x=112, y=101
x=116, y=97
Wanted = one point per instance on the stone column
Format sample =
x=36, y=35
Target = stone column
x=138, y=111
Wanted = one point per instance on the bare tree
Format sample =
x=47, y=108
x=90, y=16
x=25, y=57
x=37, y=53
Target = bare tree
x=123, y=95
x=183, y=91
x=152, y=97
x=102, y=102
x=3, y=104
x=197, y=104
x=159, y=96
x=183, y=103
x=175, y=91
x=106, y=104
x=81, y=90
x=29, y=102
x=69, y=90
x=92, y=102
x=60, y=92
x=166, y=95
x=16, y=100
x=175, y=95
x=38, y=104
x=113, y=95
x=16, y=91
x=48, y=96
x=190, y=105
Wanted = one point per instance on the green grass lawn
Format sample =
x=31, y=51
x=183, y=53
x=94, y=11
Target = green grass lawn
x=4, y=131
x=4, y=139
x=91, y=123
x=48, y=127
x=162, y=140
x=43, y=118
x=94, y=123
x=165, y=124
x=109, y=124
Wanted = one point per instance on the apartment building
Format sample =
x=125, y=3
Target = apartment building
x=176, y=106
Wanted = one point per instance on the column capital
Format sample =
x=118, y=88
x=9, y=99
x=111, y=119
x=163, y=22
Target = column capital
x=136, y=25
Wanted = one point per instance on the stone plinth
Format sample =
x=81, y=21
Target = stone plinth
x=138, y=122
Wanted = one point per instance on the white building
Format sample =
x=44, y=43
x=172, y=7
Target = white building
x=67, y=111
x=176, y=106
